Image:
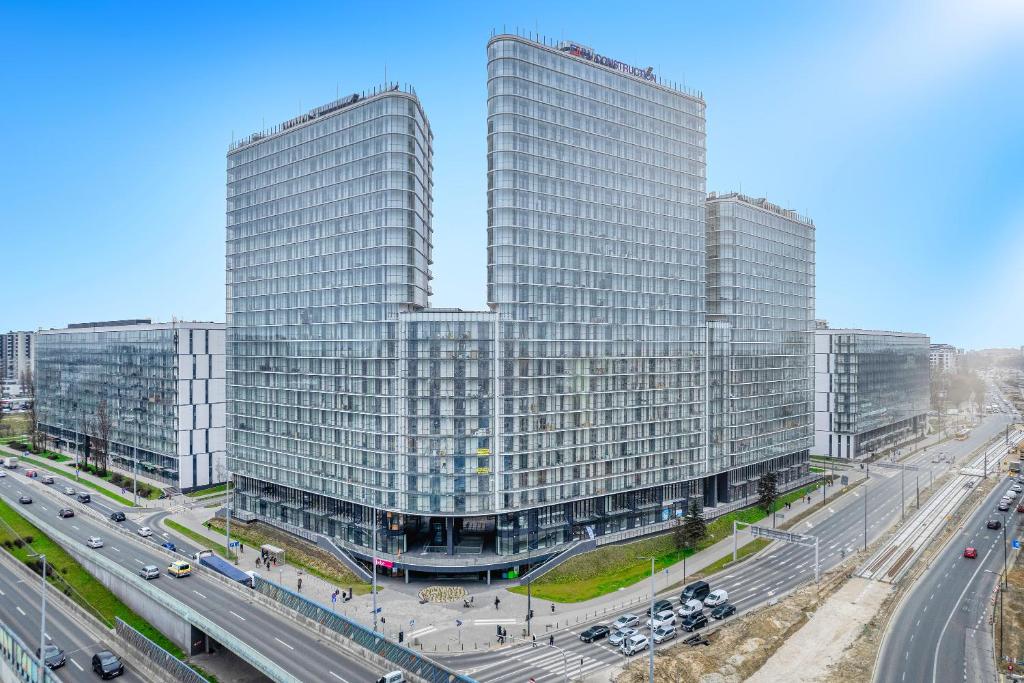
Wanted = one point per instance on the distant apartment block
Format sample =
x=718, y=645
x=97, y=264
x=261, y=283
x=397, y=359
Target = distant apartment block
x=871, y=390
x=163, y=384
x=15, y=356
x=943, y=357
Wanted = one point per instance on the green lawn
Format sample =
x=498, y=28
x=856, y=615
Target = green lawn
x=219, y=488
x=203, y=541
x=82, y=480
x=742, y=553
x=612, y=567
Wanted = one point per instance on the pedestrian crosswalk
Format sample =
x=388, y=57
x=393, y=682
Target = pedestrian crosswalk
x=543, y=663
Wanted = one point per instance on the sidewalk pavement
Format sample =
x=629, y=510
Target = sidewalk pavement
x=436, y=628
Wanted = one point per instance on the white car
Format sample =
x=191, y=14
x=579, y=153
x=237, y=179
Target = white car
x=1011, y=494
x=716, y=598
x=145, y=531
x=691, y=607
x=663, y=618
x=663, y=633
x=2, y=474
x=625, y=621
x=620, y=636
x=1016, y=488
x=635, y=643
x=94, y=542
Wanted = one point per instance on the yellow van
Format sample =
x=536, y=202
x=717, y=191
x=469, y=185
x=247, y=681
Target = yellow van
x=179, y=568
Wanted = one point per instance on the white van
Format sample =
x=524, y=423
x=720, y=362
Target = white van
x=393, y=677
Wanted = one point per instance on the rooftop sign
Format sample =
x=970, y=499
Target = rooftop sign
x=586, y=53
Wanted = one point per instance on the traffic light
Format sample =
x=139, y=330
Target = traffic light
x=401, y=636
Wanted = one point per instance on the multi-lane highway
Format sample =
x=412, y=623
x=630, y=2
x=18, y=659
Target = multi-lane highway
x=19, y=611
x=779, y=569
x=940, y=632
x=296, y=650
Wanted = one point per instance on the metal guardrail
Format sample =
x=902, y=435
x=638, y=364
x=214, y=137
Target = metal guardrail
x=156, y=654
x=402, y=657
x=20, y=659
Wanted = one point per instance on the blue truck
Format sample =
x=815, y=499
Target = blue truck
x=226, y=568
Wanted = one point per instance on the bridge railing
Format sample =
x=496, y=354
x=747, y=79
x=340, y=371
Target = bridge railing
x=20, y=659
x=160, y=657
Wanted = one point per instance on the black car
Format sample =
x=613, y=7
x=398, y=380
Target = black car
x=107, y=664
x=994, y=524
x=25, y=500
x=65, y=512
x=698, y=590
x=55, y=658
x=595, y=633
x=694, y=622
x=117, y=516
x=660, y=606
x=724, y=610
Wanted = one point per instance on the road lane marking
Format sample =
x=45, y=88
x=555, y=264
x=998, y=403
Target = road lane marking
x=48, y=637
x=75, y=527
x=337, y=676
x=284, y=643
x=2, y=593
x=113, y=548
x=199, y=594
x=138, y=560
x=238, y=615
x=76, y=664
x=20, y=611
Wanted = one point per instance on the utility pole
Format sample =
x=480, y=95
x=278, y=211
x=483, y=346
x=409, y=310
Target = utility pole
x=529, y=592
x=903, y=491
x=865, y=515
x=42, y=623
x=650, y=644
x=227, y=523
x=374, y=587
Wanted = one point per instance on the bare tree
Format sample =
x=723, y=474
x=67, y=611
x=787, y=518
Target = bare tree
x=101, y=442
x=28, y=384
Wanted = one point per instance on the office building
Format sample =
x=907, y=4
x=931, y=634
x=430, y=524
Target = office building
x=871, y=390
x=15, y=356
x=161, y=385
x=943, y=357
x=574, y=405
x=760, y=260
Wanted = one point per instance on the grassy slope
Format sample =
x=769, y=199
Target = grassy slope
x=609, y=568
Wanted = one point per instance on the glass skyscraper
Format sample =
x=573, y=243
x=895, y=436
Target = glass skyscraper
x=576, y=404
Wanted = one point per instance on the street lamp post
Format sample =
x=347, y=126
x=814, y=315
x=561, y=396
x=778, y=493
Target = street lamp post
x=865, y=515
x=650, y=644
x=529, y=592
x=42, y=621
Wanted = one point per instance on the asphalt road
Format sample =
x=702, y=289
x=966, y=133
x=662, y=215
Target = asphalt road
x=940, y=632
x=289, y=645
x=840, y=526
x=19, y=611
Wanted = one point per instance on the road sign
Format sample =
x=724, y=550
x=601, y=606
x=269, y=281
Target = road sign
x=777, y=535
x=458, y=622
x=334, y=597
x=844, y=480
x=1016, y=544
x=233, y=544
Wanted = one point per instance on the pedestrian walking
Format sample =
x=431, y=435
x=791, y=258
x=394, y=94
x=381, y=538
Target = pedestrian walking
x=241, y=547
x=496, y=602
x=552, y=608
x=551, y=639
x=300, y=584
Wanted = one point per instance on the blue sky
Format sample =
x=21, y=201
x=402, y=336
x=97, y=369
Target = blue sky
x=899, y=127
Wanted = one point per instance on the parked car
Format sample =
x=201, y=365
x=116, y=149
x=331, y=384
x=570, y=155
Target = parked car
x=1017, y=488
x=626, y=621
x=106, y=664
x=994, y=524
x=53, y=656
x=1011, y=494
x=617, y=637
x=726, y=609
x=1020, y=508
x=94, y=542
x=659, y=606
x=25, y=500
x=971, y=553
x=65, y=512
x=69, y=491
x=145, y=531
x=1004, y=505
x=665, y=618
x=716, y=598
x=179, y=568
x=663, y=633
x=47, y=479
x=595, y=633
x=118, y=516
x=698, y=590
x=694, y=622
x=150, y=571
x=691, y=607
x=635, y=643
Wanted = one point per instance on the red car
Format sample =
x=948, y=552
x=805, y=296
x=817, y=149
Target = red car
x=1020, y=508
x=970, y=553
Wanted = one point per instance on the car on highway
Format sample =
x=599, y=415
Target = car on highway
x=617, y=637
x=691, y=607
x=25, y=500
x=179, y=568
x=145, y=531
x=31, y=474
x=635, y=643
x=106, y=664
x=117, y=516
x=94, y=542
x=716, y=598
x=150, y=571
x=666, y=618
x=994, y=524
x=659, y=606
x=83, y=497
x=726, y=609
x=47, y=479
x=698, y=590
x=971, y=553
x=694, y=622
x=663, y=633
x=167, y=545
x=53, y=656
x=626, y=621
x=65, y=512
x=393, y=677
x=2, y=474
x=68, y=490
x=595, y=633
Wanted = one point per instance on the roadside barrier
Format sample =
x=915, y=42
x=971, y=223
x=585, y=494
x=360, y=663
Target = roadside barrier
x=160, y=657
